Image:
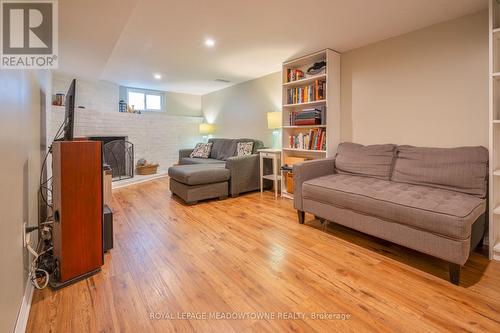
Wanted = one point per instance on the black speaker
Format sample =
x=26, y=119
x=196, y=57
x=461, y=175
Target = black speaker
x=107, y=232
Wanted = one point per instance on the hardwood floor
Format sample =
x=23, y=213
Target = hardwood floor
x=249, y=256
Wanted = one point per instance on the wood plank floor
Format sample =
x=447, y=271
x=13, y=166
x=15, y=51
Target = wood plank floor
x=249, y=257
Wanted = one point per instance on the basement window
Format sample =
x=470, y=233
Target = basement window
x=145, y=100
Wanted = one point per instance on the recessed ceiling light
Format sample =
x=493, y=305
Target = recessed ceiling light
x=209, y=42
x=157, y=76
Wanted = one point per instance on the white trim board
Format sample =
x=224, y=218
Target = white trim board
x=24, y=310
x=137, y=179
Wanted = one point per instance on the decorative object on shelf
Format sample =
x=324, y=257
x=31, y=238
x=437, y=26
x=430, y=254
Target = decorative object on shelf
x=294, y=75
x=206, y=130
x=274, y=122
x=122, y=106
x=58, y=100
x=131, y=109
x=317, y=68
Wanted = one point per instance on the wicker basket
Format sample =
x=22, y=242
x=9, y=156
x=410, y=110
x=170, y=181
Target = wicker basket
x=289, y=182
x=147, y=169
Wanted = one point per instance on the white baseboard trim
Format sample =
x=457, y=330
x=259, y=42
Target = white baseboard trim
x=24, y=311
x=138, y=180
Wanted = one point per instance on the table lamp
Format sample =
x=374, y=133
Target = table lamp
x=206, y=130
x=274, y=123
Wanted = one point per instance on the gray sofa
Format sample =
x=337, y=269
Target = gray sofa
x=202, y=178
x=432, y=200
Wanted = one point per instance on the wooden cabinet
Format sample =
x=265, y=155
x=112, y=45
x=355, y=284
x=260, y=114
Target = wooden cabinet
x=78, y=208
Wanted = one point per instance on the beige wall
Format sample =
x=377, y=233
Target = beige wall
x=21, y=143
x=177, y=104
x=428, y=87
x=241, y=110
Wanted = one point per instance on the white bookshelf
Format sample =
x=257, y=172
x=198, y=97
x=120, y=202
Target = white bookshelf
x=311, y=151
x=331, y=102
x=305, y=126
x=494, y=130
x=306, y=80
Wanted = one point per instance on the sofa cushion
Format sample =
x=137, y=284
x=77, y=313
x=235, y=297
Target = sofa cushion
x=372, y=161
x=257, y=144
x=194, y=160
x=222, y=149
x=439, y=211
x=198, y=174
x=244, y=148
x=463, y=169
x=202, y=150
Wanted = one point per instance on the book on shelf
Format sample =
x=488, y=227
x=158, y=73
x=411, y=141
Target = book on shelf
x=294, y=75
x=314, y=139
x=313, y=116
x=308, y=93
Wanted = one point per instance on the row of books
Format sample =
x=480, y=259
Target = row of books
x=312, y=92
x=315, y=139
x=313, y=116
x=294, y=74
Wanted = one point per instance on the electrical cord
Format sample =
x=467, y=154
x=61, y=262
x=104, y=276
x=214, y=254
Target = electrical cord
x=40, y=277
x=37, y=274
x=44, y=165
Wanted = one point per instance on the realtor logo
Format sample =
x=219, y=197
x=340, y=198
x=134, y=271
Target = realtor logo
x=28, y=34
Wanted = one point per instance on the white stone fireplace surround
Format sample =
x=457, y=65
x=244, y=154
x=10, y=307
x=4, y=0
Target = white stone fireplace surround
x=156, y=137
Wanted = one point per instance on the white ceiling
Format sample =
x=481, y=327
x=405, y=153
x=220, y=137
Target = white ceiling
x=126, y=41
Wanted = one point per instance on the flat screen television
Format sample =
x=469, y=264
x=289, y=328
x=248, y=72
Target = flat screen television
x=69, y=114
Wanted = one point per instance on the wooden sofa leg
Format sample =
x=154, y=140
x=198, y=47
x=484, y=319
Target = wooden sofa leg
x=302, y=216
x=454, y=273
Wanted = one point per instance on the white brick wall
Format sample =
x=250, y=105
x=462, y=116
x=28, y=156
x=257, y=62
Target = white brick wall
x=156, y=137
x=94, y=95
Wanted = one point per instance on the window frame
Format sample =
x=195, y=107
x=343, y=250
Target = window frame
x=147, y=92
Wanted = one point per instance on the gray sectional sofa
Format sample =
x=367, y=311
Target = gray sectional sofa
x=222, y=174
x=432, y=200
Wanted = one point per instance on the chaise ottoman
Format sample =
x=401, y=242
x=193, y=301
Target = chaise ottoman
x=196, y=182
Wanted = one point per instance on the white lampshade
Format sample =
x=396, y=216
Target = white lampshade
x=206, y=129
x=274, y=120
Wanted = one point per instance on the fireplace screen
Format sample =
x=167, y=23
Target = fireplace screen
x=119, y=155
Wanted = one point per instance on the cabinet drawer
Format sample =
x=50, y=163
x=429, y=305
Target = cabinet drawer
x=267, y=155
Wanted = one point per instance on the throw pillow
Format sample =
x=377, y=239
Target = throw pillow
x=202, y=150
x=245, y=148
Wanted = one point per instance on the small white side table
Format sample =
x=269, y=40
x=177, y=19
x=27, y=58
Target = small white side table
x=275, y=155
